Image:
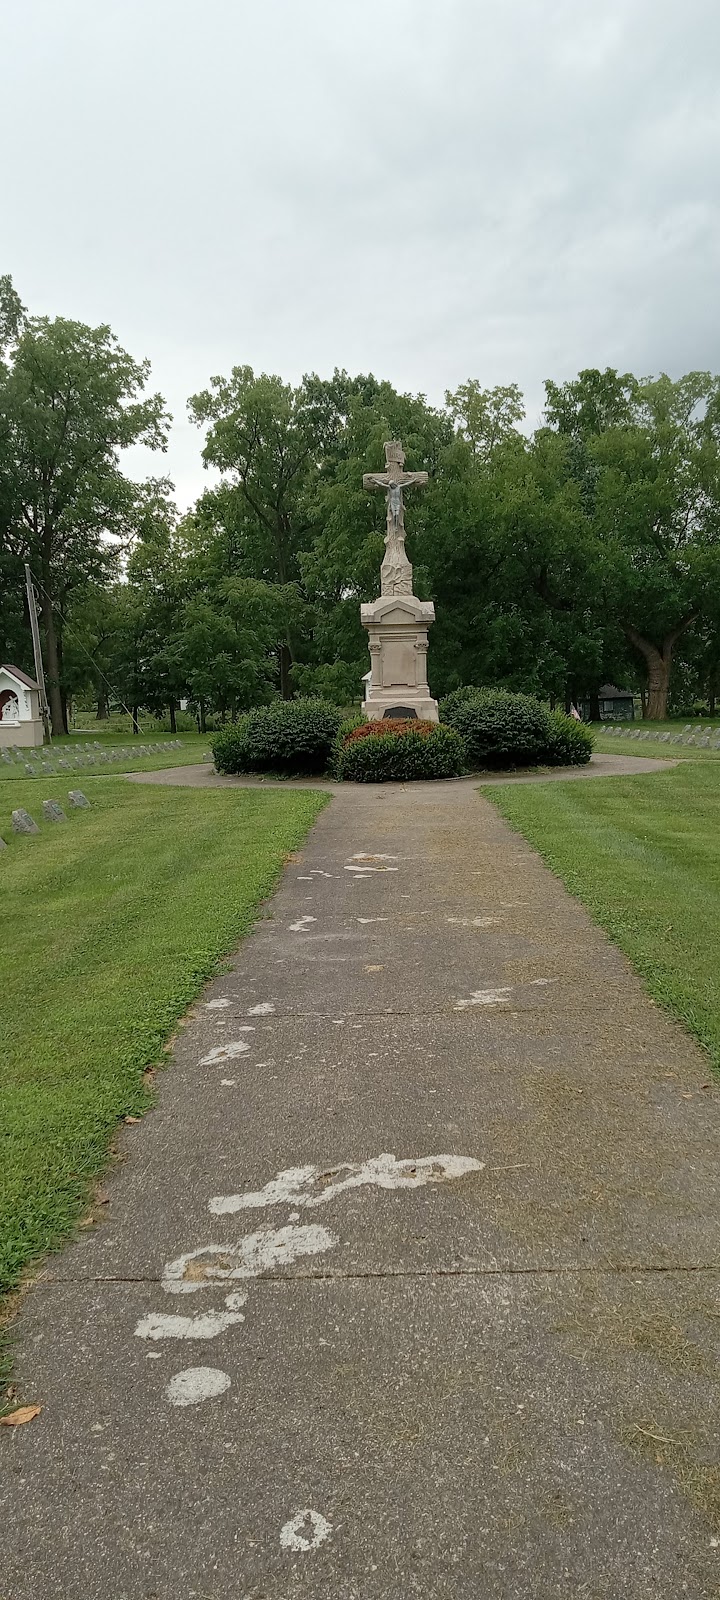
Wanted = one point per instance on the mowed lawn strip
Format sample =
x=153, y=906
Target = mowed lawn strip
x=195, y=748
x=643, y=854
x=111, y=922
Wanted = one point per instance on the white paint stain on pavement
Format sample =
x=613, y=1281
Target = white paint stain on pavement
x=486, y=997
x=366, y=920
x=310, y=1186
x=249, y=1257
x=224, y=1052
x=207, y=1326
x=216, y=1005
x=264, y=1009
x=307, y=1530
x=195, y=1384
x=361, y=868
x=301, y=924
x=362, y=855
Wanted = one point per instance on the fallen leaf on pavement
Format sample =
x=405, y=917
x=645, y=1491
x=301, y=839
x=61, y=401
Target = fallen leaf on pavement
x=14, y=1419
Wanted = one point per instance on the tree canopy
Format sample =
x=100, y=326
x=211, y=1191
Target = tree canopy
x=585, y=550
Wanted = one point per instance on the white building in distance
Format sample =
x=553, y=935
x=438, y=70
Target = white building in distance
x=20, y=719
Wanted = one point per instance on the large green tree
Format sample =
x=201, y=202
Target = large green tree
x=646, y=459
x=263, y=438
x=71, y=400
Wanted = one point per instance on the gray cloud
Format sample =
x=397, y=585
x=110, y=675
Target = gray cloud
x=431, y=189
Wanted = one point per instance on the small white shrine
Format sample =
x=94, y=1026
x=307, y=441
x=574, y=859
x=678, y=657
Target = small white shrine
x=20, y=719
x=397, y=623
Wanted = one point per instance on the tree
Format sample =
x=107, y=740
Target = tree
x=263, y=438
x=71, y=399
x=485, y=418
x=646, y=457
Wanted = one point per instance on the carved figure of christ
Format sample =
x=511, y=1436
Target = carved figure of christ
x=393, y=480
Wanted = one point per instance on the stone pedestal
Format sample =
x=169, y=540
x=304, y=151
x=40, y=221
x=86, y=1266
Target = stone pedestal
x=396, y=684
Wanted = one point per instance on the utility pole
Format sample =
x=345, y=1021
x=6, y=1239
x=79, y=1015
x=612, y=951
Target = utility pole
x=39, y=673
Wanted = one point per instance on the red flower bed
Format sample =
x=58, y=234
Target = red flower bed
x=389, y=725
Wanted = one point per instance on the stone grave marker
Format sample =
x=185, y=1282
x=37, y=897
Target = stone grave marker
x=78, y=799
x=53, y=812
x=22, y=822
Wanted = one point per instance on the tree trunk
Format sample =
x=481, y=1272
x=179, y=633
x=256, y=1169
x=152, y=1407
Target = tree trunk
x=659, y=664
x=201, y=708
x=173, y=723
x=285, y=665
x=52, y=663
x=711, y=702
x=594, y=699
x=102, y=712
x=135, y=721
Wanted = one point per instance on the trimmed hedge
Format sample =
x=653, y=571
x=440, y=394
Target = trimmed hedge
x=501, y=729
x=289, y=736
x=360, y=730
x=413, y=751
x=570, y=743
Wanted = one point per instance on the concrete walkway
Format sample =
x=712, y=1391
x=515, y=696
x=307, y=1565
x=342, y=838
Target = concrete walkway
x=409, y=1286
x=203, y=776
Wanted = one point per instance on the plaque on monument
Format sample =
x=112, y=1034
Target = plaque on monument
x=398, y=622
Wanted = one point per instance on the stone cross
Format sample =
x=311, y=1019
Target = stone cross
x=396, y=571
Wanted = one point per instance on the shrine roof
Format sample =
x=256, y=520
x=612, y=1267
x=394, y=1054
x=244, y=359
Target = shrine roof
x=19, y=675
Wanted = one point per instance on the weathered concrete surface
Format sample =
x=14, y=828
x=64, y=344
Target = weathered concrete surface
x=502, y=1385
x=204, y=776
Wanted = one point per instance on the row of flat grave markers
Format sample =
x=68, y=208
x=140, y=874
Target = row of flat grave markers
x=22, y=822
x=44, y=763
x=701, y=738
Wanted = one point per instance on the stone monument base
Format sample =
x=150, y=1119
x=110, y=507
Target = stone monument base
x=397, y=682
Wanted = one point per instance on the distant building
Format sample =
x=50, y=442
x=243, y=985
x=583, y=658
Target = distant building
x=616, y=705
x=20, y=719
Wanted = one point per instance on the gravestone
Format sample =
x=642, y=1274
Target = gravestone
x=398, y=622
x=53, y=812
x=77, y=798
x=3, y=845
x=22, y=822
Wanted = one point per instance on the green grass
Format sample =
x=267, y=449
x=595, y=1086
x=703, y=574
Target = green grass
x=643, y=854
x=111, y=922
x=615, y=744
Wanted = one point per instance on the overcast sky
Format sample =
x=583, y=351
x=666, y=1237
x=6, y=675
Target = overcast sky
x=427, y=189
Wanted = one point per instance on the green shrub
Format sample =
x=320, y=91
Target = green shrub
x=289, y=736
x=361, y=728
x=427, y=751
x=501, y=729
x=570, y=743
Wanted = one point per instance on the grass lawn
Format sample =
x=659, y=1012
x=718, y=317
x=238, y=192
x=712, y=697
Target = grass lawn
x=195, y=747
x=617, y=744
x=111, y=923
x=643, y=854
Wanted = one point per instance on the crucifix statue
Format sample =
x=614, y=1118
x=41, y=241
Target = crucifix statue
x=396, y=571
